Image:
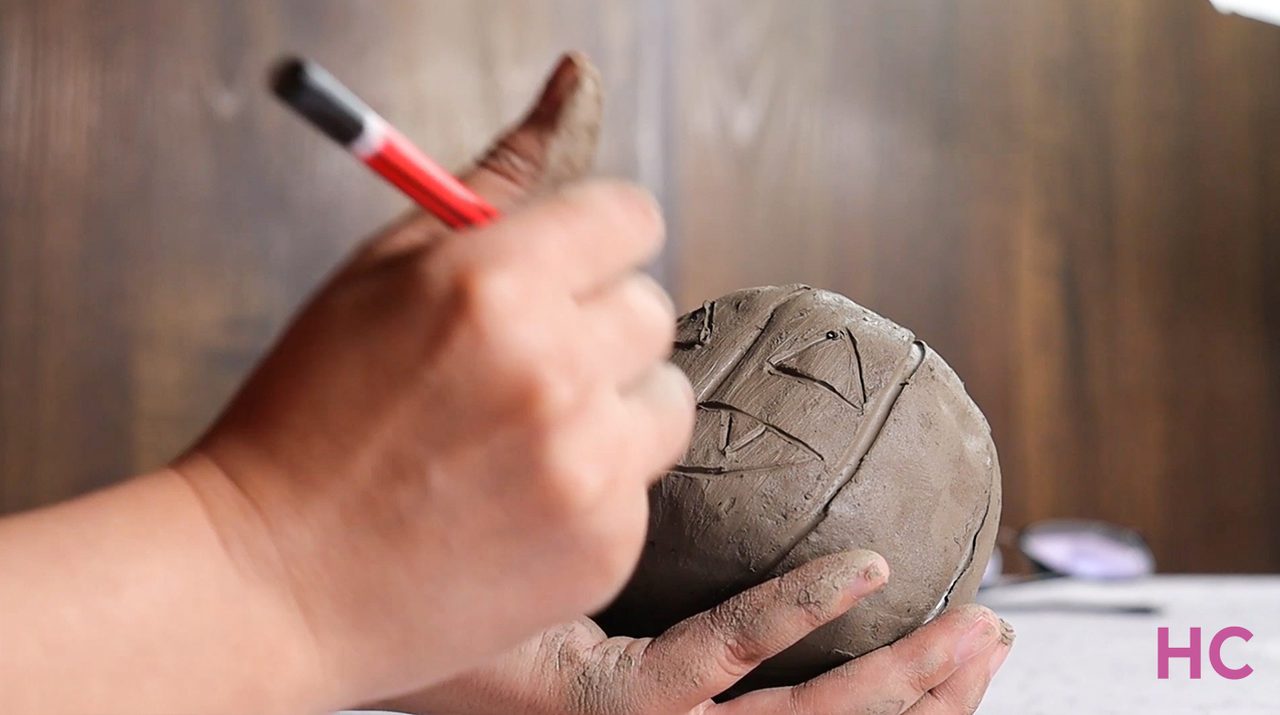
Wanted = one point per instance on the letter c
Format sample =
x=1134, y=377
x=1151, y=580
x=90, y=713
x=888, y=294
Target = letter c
x=1215, y=653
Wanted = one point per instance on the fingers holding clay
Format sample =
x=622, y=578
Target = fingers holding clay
x=941, y=668
x=962, y=693
x=706, y=654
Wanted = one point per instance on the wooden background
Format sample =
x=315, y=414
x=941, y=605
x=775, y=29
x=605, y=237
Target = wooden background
x=1077, y=202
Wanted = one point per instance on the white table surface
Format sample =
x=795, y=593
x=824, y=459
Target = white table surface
x=1071, y=660
x=1075, y=656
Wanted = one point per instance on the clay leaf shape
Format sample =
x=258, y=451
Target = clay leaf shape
x=830, y=362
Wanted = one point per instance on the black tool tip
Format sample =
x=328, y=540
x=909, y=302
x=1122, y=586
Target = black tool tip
x=318, y=96
x=288, y=77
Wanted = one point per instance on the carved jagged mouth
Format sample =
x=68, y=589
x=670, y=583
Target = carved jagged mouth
x=697, y=470
x=735, y=441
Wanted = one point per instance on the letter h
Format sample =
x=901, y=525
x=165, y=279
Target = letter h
x=1164, y=652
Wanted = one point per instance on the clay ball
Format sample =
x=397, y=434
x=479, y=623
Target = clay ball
x=820, y=427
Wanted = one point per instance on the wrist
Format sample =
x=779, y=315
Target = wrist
x=286, y=531
x=285, y=634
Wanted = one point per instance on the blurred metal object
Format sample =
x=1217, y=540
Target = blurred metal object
x=1075, y=548
x=1264, y=10
x=1079, y=550
x=1086, y=549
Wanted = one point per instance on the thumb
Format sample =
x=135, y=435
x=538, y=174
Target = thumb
x=553, y=144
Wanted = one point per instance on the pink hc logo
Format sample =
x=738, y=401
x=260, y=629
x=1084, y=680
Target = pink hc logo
x=1165, y=652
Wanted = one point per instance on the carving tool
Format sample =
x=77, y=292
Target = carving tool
x=337, y=112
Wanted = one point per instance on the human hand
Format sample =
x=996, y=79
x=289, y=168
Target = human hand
x=941, y=669
x=449, y=448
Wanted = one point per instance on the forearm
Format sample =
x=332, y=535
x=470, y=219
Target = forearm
x=128, y=600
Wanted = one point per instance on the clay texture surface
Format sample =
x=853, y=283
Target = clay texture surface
x=820, y=427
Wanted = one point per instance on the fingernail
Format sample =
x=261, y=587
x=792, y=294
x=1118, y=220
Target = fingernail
x=862, y=571
x=839, y=579
x=978, y=638
x=871, y=576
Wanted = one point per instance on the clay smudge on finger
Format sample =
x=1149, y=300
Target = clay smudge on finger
x=887, y=707
x=556, y=141
x=825, y=595
x=1007, y=634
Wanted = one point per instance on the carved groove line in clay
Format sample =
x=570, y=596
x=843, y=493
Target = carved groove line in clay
x=864, y=438
x=964, y=565
x=778, y=366
x=708, y=323
x=729, y=444
x=725, y=407
x=857, y=358
x=726, y=366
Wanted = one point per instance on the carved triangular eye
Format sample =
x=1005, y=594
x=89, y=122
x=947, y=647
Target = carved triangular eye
x=694, y=330
x=831, y=362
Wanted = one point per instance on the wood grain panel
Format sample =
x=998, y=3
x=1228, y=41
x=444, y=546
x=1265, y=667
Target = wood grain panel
x=161, y=215
x=1073, y=201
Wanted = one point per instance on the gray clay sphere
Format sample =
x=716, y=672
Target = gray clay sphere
x=820, y=427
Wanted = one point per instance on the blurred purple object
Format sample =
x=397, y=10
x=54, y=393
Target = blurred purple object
x=1086, y=549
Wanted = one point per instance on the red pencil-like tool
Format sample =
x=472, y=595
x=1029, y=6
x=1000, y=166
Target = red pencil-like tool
x=336, y=111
